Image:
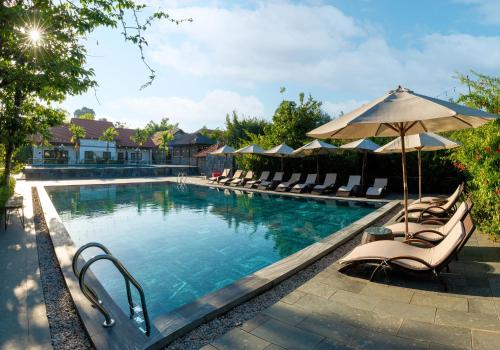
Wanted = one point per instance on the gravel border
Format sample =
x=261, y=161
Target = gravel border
x=66, y=328
x=208, y=332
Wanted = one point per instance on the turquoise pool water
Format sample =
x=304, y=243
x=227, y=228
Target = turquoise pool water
x=182, y=243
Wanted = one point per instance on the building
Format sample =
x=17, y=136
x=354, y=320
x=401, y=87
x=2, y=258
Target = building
x=208, y=163
x=159, y=154
x=184, y=147
x=90, y=150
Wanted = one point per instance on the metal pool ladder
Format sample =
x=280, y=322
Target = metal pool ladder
x=91, y=295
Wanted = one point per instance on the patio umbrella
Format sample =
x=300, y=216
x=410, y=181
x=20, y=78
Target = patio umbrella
x=426, y=141
x=402, y=112
x=251, y=149
x=315, y=148
x=364, y=146
x=282, y=151
x=224, y=151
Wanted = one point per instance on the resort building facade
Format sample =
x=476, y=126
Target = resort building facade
x=90, y=150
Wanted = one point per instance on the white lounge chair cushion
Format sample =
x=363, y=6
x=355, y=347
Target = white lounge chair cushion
x=374, y=191
x=399, y=228
x=382, y=250
x=345, y=188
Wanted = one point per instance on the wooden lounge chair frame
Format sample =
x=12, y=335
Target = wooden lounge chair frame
x=307, y=185
x=382, y=191
x=263, y=177
x=321, y=188
x=287, y=185
x=435, y=271
x=237, y=175
x=225, y=173
x=346, y=193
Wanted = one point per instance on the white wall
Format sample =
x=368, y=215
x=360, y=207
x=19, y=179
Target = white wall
x=98, y=147
x=38, y=153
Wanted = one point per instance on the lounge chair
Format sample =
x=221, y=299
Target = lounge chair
x=248, y=176
x=306, y=185
x=439, y=211
x=263, y=177
x=460, y=188
x=433, y=234
x=378, y=188
x=270, y=185
x=345, y=191
x=237, y=175
x=327, y=185
x=410, y=258
x=224, y=174
x=287, y=185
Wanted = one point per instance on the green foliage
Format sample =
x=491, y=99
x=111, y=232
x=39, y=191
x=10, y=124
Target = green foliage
x=292, y=120
x=83, y=111
x=6, y=191
x=43, y=59
x=239, y=131
x=140, y=137
x=87, y=116
x=77, y=133
x=109, y=135
x=163, y=125
x=479, y=156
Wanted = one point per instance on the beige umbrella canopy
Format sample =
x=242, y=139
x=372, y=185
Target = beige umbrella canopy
x=364, y=146
x=224, y=151
x=282, y=151
x=426, y=141
x=315, y=148
x=251, y=149
x=402, y=112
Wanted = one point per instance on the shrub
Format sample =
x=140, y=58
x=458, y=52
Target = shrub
x=479, y=160
x=6, y=191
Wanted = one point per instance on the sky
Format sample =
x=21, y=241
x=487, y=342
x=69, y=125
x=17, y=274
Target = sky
x=235, y=55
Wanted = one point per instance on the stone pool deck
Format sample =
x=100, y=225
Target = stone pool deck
x=337, y=311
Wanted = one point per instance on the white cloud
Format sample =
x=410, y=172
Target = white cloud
x=488, y=10
x=191, y=114
x=314, y=45
x=334, y=109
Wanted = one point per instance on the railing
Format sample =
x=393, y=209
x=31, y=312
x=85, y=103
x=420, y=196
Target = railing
x=181, y=178
x=91, y=295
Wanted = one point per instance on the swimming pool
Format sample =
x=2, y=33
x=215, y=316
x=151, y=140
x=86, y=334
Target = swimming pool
x=181, y=243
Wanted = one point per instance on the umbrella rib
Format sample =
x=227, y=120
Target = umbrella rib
x=411, y=126
x=463, y=121
x=391, y=127
x=423, y=126
x=378, y=129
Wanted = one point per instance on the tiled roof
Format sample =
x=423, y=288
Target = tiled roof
x=206, y=151
x=190, y=139
x=156, y=136
x=93, y=129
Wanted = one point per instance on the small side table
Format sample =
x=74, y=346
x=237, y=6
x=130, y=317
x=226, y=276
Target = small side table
x=375, y=233
x=13, y=204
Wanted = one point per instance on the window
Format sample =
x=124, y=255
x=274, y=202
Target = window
x=121, y=156
x=106, y=155
x=55, y=156
x=89, y=156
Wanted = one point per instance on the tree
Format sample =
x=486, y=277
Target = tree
x=120, y=125
x=87, y=116
x=239, y=130
x=43, y=59
x=479, y=156
x=77, y=133
x=291, y=121
x=82, y=111
x=163, y=125
x=165, y=137
x=108, y=135
x=140, y=137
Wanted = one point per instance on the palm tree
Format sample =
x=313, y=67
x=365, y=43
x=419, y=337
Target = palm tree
x=140, y=137
x=109, y=135
x=165, y=138
x=77, y=133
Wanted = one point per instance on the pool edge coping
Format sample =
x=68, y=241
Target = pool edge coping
x=180, y=321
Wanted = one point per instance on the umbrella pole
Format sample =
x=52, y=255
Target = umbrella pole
x=363, y=167
x=317, y=165
x=282, y=165
x=405, y=176
x=419, y=176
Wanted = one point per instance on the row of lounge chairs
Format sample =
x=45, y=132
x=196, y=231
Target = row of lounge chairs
x=293, y=184
x=434, y=239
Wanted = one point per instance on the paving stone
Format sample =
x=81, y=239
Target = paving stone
x=250, y=325
x=293, y=297
x=485, y=340
x=330, y=344
x=333, y=328
x=239, y=339
x=402, y=295
x=287, y=313
x=319, y=305
x=407, y=311
x=446, y=335
x=274, y=347
x=440, y=301
x=482, y=306
x=373, y=340
x=435, y=346
x=317, y=288
x=344, y=283
x=208, y=347
x=467, y=319
x=359, y=301
x=287, y=336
